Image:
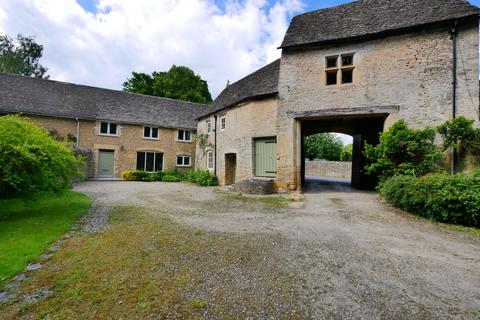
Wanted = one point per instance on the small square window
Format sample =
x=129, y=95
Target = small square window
x=150, y=132
x=347, y=60
x=332, y=78
x=104, y=127
x=184, y=135
x=347, y=76
x=183, y=161
x=332, y=62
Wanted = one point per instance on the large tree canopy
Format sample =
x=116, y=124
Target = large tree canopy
x=324, y=146
x=22, y=58
x=177, y=83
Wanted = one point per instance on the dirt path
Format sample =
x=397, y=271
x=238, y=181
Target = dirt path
x=352, y=256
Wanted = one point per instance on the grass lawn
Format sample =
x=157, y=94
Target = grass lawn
x=28, y=226
x=145, y=266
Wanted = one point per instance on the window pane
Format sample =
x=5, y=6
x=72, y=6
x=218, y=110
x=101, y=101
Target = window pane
x=210, y=160
x=104, y=127
x=347, y=60
x=180, y=134
x=113, y=128
x=154, y=132
x=141, y=161
x=179, y=161
x=149, y=164
x=158, y=161
x=186, y=161
x=331, y=78
x=332, y=62
x=347, y=76
x=146, y=132
x=187, y=135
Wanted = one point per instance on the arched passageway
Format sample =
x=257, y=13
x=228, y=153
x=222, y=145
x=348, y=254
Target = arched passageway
x=363, y=129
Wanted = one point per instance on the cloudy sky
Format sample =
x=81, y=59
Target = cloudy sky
x=99, y=42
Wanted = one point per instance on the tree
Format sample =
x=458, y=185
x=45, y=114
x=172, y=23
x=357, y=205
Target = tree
x=347, y=153
x=32, y=161
x=22, y=59
x=177, y=83
x=403, y=151
x=323, y=146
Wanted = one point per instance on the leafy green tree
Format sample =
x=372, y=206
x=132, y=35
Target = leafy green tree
x=403, y=151
x=32, y=161
x=460, y=134
x=177, y=83
x=324, y=146
x=22, y=59
x=347, y=153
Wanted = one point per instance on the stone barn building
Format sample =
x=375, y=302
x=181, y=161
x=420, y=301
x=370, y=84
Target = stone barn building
x=354, y=69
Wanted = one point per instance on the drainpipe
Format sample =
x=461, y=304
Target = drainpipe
x=215, y=146
x=453, y=36
x=78, y=133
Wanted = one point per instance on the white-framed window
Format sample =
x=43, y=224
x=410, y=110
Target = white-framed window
x=210, y=160
x=184, y=161
x=184, y=135
x=151, y=133
x=108, y=128
x=209, y=127
x=222, y=123
x=149, y=161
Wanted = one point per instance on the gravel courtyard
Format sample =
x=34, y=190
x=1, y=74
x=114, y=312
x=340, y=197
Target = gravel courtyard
x=336, y=254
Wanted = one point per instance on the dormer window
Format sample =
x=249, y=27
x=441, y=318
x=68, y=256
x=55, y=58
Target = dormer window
x=108, y=128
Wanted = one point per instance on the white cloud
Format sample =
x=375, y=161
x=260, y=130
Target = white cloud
x=102, y=49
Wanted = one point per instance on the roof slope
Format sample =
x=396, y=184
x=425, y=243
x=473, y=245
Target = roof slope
x=54, y=98
x=370, y=17
x=261, y=83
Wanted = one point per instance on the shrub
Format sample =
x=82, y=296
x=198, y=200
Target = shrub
x=171, y=178
x=138, y=175
x=347, y=153
x=403, y=151
x=439, y=197
x=201, y=177
x=459, y=133
x=32, y=161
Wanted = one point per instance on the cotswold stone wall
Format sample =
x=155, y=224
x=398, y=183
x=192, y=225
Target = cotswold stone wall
x=324, y=168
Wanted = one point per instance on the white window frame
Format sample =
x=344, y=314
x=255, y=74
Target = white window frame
x=109, y=123
x=223, y=123
x=155, y=153
x=151, y=138
x=209, y=127
x=183, y=165
x=210, y=164
x=183, y=136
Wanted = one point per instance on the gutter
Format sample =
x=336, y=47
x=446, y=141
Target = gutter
x=78, y=133
x=453, y=36
x=215, y=147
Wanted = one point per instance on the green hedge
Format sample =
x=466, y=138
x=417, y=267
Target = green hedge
x=439, y=197
x=32, y=161
x=200, y=177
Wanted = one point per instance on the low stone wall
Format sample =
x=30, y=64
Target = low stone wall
x=333, y=169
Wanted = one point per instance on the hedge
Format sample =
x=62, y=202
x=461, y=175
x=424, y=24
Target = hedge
x=439, y=197
x=200, y=177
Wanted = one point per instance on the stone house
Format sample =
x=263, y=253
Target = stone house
x=116, y=130
x=353, y=69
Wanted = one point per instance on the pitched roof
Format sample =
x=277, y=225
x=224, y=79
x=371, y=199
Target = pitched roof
x=259, y=84
x=371, y=17
x=53, y=98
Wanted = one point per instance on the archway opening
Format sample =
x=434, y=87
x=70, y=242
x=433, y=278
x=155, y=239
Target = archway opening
x=360, y=129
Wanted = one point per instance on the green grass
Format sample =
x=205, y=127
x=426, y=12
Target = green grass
x=28, y=226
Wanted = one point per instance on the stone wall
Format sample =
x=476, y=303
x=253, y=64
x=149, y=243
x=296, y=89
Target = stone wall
x=412, y=71
x=244, y=123
x=126, y=143
x=324, y=168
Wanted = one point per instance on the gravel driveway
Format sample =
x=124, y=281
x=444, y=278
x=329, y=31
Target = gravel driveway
x=358, y=257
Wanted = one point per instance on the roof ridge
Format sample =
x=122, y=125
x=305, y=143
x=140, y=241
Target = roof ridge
x=65, y=83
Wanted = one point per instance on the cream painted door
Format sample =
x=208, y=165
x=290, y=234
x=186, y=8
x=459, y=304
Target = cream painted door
x=105, y=163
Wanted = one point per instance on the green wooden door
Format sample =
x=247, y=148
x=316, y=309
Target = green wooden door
x=266, y=157
x=105, y=163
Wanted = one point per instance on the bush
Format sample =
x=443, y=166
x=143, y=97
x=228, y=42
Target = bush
x=32, y=161
x=138, y=175
x=171, y=178
x=439, y=197
x=347, y=153
x=202, y=178
x=459, y=133
x=403, y=151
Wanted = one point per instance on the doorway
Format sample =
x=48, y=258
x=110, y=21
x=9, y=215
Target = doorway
x=106, y=159
x=230, y=168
